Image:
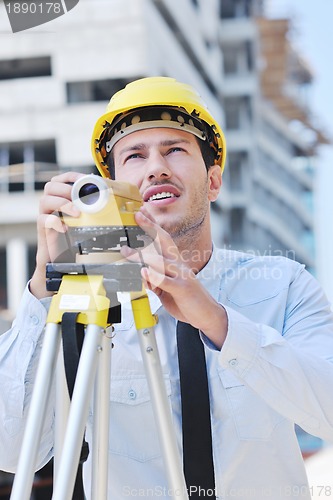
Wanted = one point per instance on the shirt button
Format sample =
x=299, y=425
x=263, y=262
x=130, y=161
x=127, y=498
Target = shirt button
x=233, y=362
x=131, y=394
x=35, y=320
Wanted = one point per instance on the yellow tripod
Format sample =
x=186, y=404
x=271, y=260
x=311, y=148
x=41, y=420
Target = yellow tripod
x=89, y=290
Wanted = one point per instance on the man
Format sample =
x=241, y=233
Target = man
x=266, y=327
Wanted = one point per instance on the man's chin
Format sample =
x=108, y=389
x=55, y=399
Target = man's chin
x=163, y=218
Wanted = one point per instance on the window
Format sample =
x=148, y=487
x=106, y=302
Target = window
x=32, y=249
x=249, y=55
x=235, y=8
x=25, y=68
x=230, y=60
x=238, y=59
x=232, y=114
x=94, y=90
x=237, y=216
x=27, y=165
x=3, y=278
x=238, y=113
x=235, y=169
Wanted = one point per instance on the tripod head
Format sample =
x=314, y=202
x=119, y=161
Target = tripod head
x=94, y=239
x=107, y=214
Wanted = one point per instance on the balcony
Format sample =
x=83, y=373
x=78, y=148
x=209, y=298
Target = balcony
x=239, y=85
x=236, y=30
x=26, y=177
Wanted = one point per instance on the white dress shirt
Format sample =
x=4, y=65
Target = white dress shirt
x=275, y=369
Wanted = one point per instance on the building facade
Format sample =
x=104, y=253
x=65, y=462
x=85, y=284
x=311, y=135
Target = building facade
x=55, y=84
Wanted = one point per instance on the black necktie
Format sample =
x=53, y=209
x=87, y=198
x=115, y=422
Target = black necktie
x=197, y=434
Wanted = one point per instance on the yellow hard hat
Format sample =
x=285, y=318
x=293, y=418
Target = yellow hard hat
x=155, y=102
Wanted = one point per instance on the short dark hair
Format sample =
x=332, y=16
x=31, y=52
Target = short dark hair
x=208, y=154
x=111, y=166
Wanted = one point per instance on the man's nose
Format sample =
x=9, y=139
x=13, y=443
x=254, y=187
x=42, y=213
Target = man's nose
x=157, y=167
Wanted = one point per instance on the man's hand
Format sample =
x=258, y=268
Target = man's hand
x=56, y=197
x=174, y=282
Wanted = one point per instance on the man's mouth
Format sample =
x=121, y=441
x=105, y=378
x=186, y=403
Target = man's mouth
x=161, y=196
x=160, y=192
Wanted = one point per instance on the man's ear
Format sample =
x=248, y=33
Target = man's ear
x=214, y=182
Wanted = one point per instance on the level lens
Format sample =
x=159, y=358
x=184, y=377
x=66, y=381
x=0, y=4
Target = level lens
x=89, y=193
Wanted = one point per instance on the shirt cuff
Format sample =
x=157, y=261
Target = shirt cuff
x=242, y=344
x=32, y=314
x=207, y=342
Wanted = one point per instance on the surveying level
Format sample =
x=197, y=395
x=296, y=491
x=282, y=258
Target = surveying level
x=107, y=215
x=84, y=307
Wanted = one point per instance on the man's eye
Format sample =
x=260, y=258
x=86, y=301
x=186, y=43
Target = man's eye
x=133, y=156
x=176, y=149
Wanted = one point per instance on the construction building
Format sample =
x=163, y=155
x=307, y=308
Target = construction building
x=55, y=81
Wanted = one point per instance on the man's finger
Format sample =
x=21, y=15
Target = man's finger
x=162, y=240
x=52, y=222
x=67, y=177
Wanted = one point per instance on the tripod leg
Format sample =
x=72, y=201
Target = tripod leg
x=25, y=473
x=100, y=447
x=145, y=322
x=78, y=414
x=62, y=406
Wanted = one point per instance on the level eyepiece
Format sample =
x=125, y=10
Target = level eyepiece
x=90, y=194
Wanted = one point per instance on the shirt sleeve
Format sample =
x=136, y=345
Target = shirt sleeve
x=291, y=370
x=19, y=353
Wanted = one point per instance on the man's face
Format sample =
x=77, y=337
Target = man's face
x=168, y=168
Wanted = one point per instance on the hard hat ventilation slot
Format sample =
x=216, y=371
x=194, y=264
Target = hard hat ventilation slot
x=155, y=117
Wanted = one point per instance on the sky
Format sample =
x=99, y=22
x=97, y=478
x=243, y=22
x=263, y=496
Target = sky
x=312, y=34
